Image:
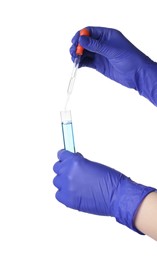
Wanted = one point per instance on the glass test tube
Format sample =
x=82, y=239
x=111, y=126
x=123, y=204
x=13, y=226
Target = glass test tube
x=67, y=130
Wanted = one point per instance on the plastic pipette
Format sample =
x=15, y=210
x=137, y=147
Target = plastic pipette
x=79, y=52
x=67, y=127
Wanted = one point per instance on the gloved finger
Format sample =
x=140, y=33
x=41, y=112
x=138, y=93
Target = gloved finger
x=56, y=182
x=76, y=38
x=59, y=196
x=87, y=59
x=96, y=32
x=72, y=51
x=64, y=154
x=90, y=44
x=60, y=151
x=96, y=46
x=75, y=41
x=63, y=197
x=57, y=167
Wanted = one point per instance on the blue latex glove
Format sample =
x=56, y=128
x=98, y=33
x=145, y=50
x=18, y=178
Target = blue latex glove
x=97, y=189
x=112, y=54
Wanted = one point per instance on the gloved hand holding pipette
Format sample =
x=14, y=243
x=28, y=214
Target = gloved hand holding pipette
x=92, y=187
x=112, y=54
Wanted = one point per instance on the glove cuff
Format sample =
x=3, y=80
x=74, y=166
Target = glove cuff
x=129, y=196
x=146, y=82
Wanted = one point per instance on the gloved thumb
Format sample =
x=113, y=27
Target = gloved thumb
x=93, y=45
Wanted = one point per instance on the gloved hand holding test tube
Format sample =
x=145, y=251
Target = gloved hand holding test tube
x=66, y=119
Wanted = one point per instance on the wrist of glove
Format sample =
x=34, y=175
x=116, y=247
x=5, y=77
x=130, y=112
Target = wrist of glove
x=146, y=81
x=97, y=189
x=129, y=195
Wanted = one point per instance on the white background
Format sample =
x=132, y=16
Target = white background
x=112, y=125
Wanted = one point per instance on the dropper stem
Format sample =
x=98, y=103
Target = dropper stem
x=72, y=79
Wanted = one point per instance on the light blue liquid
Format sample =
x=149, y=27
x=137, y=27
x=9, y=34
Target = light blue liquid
x=68, y=136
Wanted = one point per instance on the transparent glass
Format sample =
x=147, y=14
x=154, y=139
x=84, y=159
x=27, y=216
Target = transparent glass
x=67, y=130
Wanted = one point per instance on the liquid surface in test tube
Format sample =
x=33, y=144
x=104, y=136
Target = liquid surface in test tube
x=68, y=136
